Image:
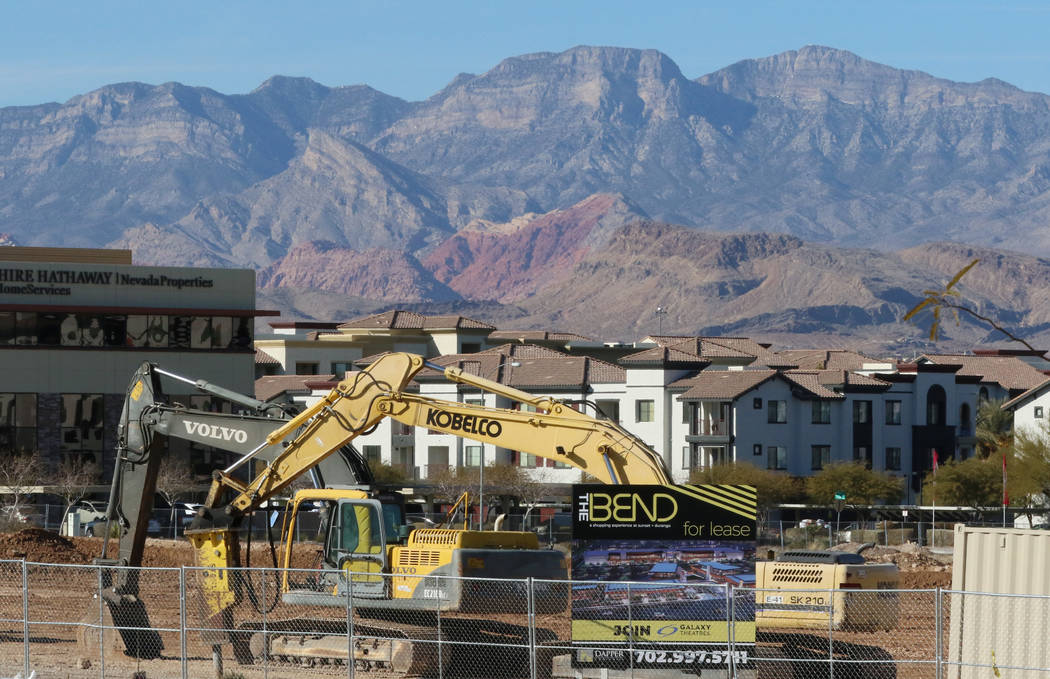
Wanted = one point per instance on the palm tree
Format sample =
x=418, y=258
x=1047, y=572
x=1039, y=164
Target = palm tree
x=994, y=426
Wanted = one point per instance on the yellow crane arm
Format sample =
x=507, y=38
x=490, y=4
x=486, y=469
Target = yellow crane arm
x=599, y=447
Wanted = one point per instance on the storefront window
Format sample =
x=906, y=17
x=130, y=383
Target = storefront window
x=71, y=329
x=81, y=422
x=17, y=423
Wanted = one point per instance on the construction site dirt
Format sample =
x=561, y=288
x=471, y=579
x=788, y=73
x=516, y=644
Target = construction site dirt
x=61, y=595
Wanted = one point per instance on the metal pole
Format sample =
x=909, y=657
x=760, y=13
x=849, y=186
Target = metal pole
x=349, y=624
x=831, y=634
x=532, y=628
x=481, y=491
x=730, y=631
x=101, y=627
x=440, y=641
x=630, y=631
x=782, y=535
x=265, y=606
x=940, y=634
x=25, y=616
x=182, y=623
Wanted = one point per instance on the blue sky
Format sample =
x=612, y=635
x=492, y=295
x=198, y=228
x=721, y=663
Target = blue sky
x=50, y=51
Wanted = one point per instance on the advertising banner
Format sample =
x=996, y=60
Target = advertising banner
x=651, y=568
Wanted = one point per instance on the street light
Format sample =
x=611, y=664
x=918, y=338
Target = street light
x=660, y=313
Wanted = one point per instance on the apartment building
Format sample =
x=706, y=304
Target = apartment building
x=700, y=401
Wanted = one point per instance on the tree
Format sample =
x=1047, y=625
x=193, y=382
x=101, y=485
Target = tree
x=1028, y=471
x=174, y=483
x=389, y=474
x=994, y=427
x=935, y=300
x=861, y=485
x=976, y=482
x=771, y=487
x=449, y=483
x=18, y=475
x=72, y=481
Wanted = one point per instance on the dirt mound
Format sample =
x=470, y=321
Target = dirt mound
x=36, y=544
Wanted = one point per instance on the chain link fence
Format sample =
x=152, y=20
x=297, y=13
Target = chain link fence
x=66, y=621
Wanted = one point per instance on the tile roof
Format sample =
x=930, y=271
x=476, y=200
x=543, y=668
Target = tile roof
x=270, y=386
x=1034, y=391
x=263, y=358
x=811, y=381
x=715, y=347
x=411, y=320
x=724, y=384
x=1008, y=371
x=663, y=356
x=538, y=335
x=526, y=366
x=819, y=359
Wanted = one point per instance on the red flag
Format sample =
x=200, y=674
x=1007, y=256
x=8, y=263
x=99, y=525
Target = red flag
x=1006, y=496
x=934, y=460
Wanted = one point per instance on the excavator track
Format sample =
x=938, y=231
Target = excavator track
x=388, y=649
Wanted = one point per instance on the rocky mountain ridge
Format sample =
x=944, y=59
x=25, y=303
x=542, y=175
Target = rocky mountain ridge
x=554, y=179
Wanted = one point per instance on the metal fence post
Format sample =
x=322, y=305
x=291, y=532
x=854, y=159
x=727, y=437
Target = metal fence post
x=182, y=624
x=25, y=617
x=440, y=640
x=630, y=631
x=939, y=619
x=349, y=625
x=101, y=628
x=532, y=627
x=730, y=631
x=265, y=607
x=831, y=634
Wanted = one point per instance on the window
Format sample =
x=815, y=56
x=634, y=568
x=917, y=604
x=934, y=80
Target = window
x=305, y=368
x=893, y=412
x=862, y=454
x=608, y=410
x=644, y=410
x=437, y=457
x=372, y=454
x=821, y=456
x=861, y=412
x=472, y=456
x=17, y=423
x=527, y=460
x=777, y=412
x=81, y=422
x=935, y=405
x=821, y=412
x=685, y=457
x=341, y=368
x=1038, y=414
x=757, y=404
x=470, y=348
x=777, y=457
x=893, y=459
x=757, y=450
x=474, y=401
x=685, y=413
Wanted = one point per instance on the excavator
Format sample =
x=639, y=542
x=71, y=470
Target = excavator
x=396, y=577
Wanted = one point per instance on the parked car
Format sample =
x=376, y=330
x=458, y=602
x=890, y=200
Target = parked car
x=89, y=510
x=98, y=528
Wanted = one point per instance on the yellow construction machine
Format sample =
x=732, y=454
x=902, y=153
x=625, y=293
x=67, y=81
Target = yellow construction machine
x=395, y=578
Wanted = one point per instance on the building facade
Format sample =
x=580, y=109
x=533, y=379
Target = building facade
x=76, y=324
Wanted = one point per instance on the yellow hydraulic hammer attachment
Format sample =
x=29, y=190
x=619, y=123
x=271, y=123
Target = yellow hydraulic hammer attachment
x=217, y=588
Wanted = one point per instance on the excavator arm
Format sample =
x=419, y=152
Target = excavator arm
x=556, y=431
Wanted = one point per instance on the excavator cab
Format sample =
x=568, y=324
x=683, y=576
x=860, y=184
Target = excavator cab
x=356, y=546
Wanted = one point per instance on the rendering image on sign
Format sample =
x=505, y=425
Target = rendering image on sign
x=651, y=566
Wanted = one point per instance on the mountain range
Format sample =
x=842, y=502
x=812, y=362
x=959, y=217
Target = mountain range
x=803, y=196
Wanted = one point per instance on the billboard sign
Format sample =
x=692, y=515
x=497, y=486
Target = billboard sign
x=651, y=566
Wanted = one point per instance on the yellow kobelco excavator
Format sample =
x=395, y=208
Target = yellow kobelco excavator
x=366, y=553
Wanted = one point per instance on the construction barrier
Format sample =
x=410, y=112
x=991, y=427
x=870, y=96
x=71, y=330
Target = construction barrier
x=55, y=621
